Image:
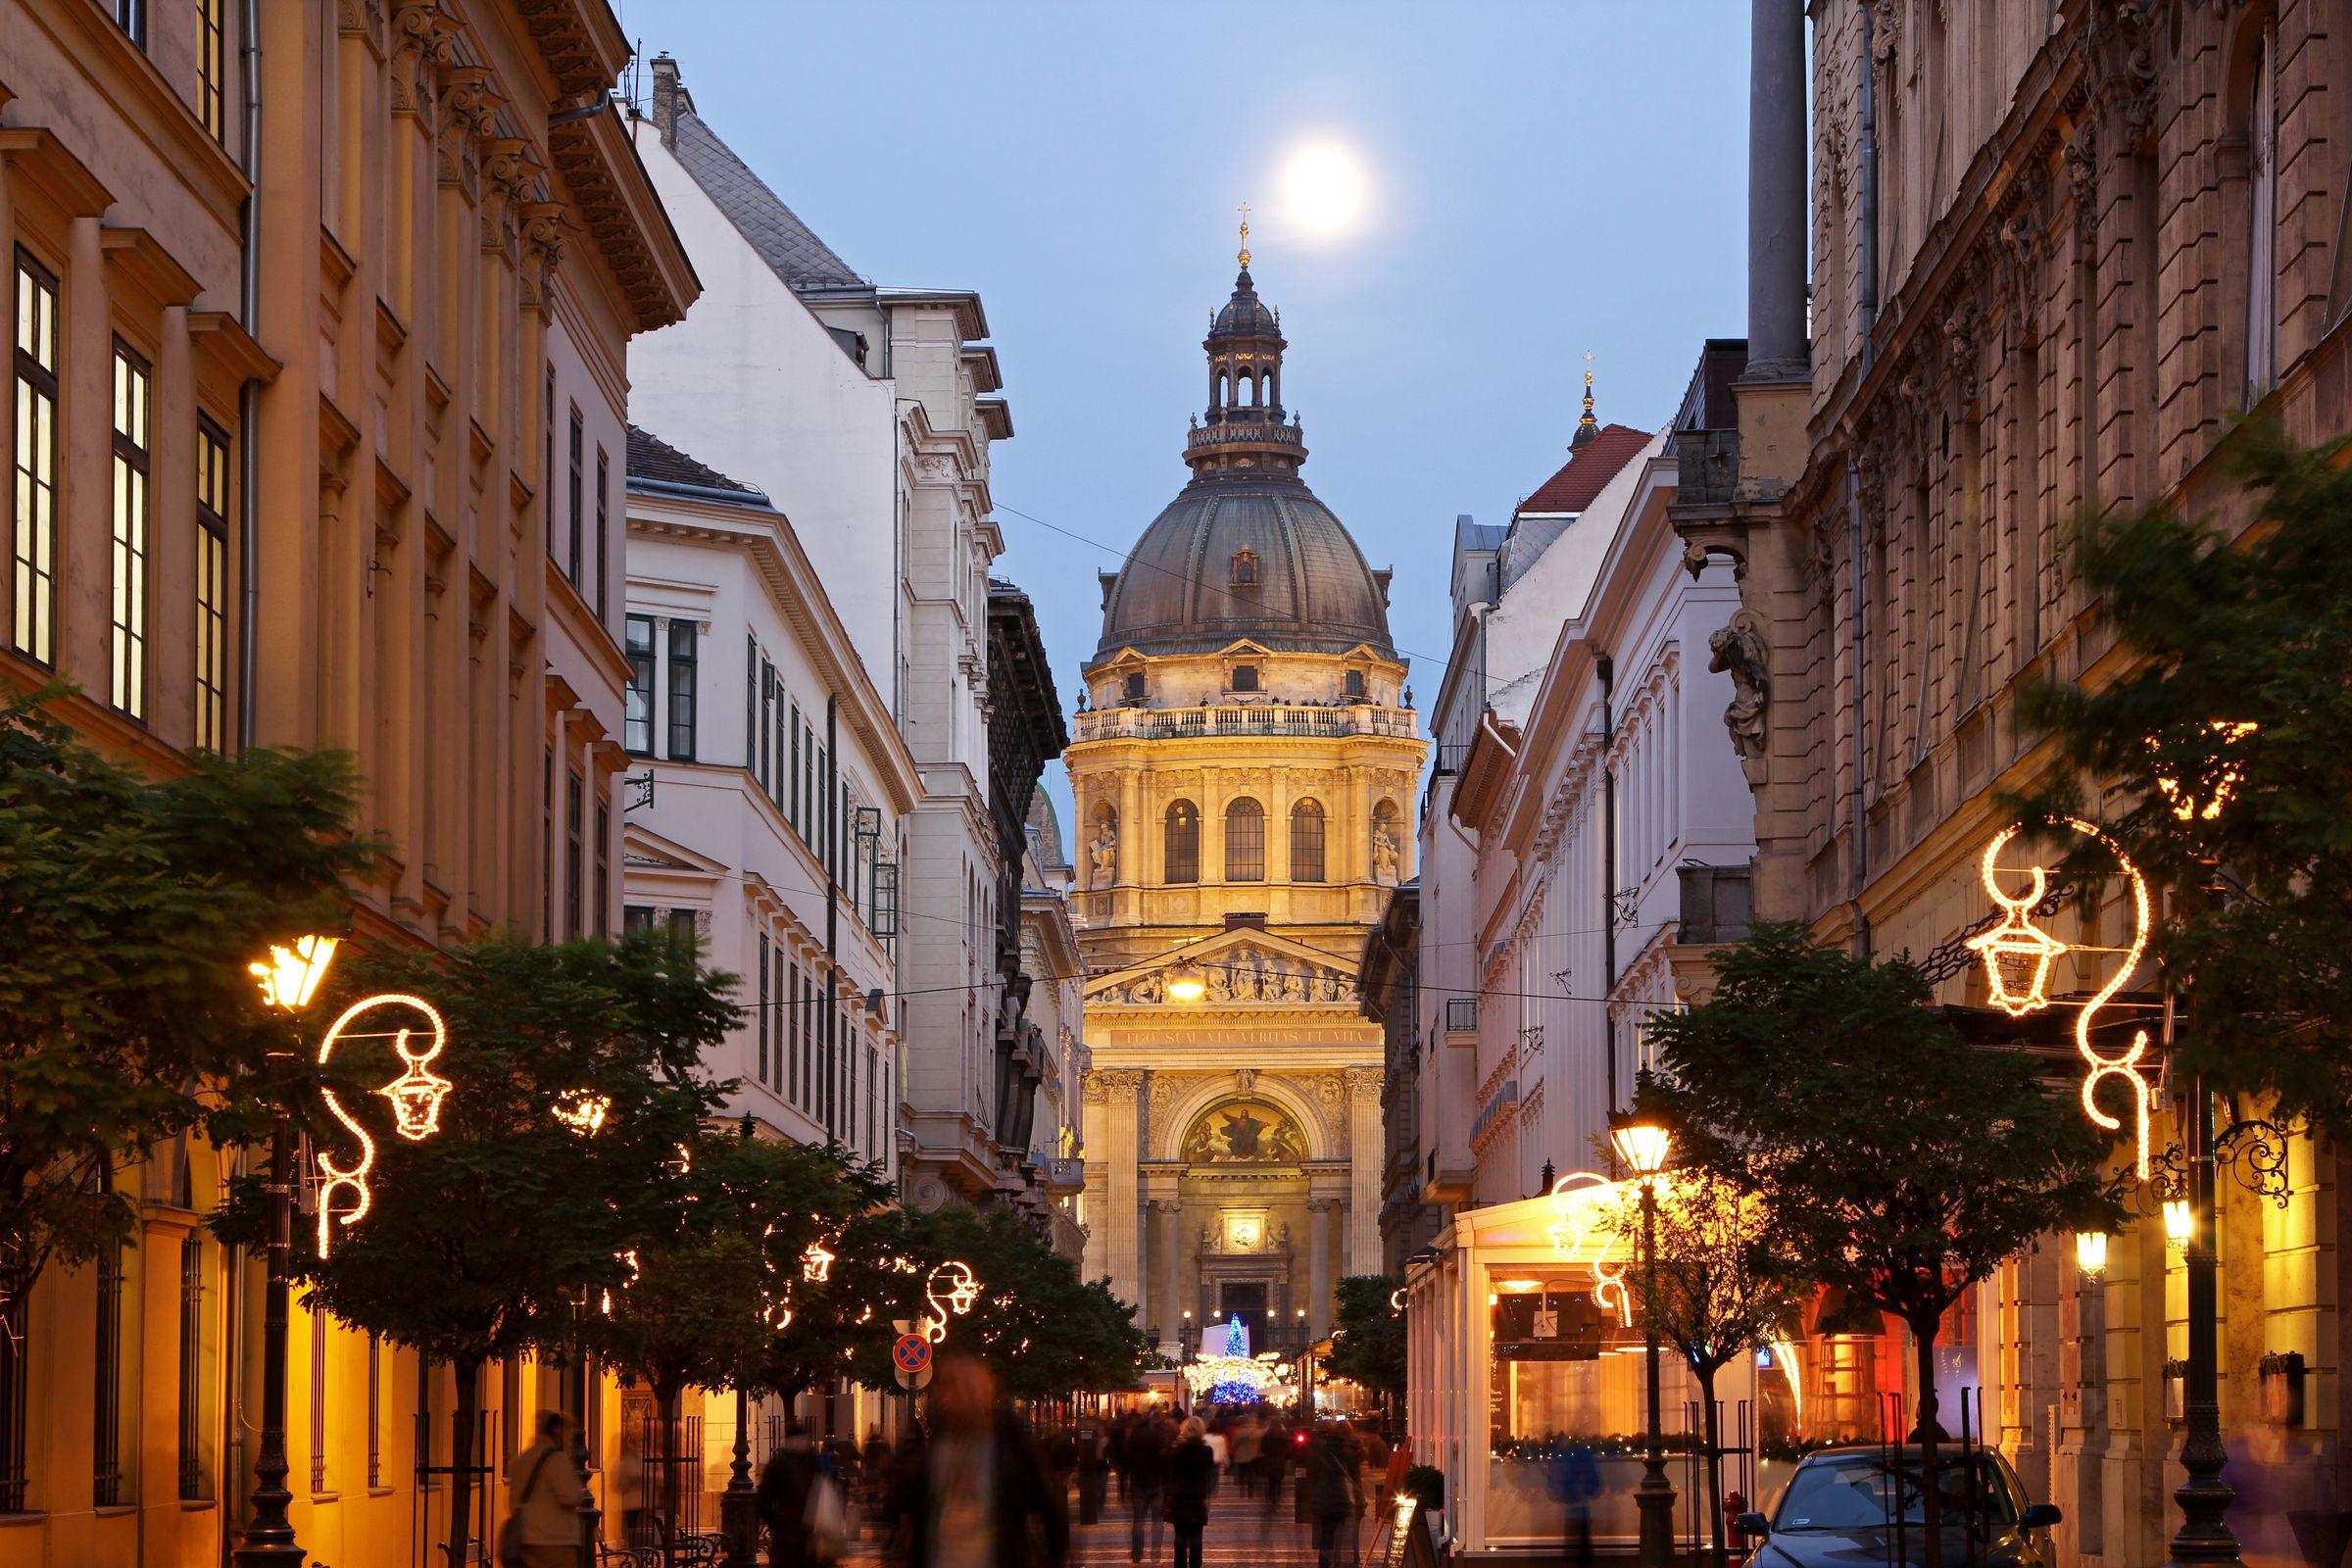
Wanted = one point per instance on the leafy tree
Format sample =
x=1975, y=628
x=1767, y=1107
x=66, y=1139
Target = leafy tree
x=126, y=1013
x=1899, y=1162
x=1367, y=1336
x=2225, y=752
x=1045, y=1332
x=482, y=1238
x=1724, y=1287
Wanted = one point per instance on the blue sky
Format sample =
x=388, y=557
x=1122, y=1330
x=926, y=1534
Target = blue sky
x=1540, y=179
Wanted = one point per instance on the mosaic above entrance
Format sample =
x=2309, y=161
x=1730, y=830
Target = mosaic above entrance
x=1244, y=1132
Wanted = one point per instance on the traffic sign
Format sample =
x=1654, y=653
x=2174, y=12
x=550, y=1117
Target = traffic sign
x=911, y=1354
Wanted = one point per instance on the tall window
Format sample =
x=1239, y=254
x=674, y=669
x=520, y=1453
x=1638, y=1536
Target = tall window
x=211, y=66
x=34, y=630
x=2261, y=252
x=106, y=1384
x=573, y=555
x=777, y=788
x=131, y=472
x=1245, y=841
x=792, y=1026
x=681, y=690
x=195, y=1474
x=318, y=1421
x=1245, y=677
x=1307, y=842
x=211, y=587
x=547, y=457
x=574, y=811
x=777, y=1062
x=637, y=718
x=604, y=527
x=1179, y=843
x=131, y=17
x=375, y=1412
x=766, y=726
x=684, y=931
x=601, y=853
x=764, y=1009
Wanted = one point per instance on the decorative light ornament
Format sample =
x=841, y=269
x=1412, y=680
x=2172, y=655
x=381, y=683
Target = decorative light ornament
x=2002, y=948
x=2180, y=1221
x=2090, y=1253
x=416, y=1095
x=2224, y=784
x=290, y=976
x=953, y=1288
x=1397, y=1300
x=1577, y=1201
x=816, y=1265
x=582, y=1111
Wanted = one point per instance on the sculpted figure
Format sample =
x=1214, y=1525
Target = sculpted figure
x=1103, y=853
x=1383, y=854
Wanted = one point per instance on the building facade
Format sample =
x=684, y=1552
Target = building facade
x=318, y=381
x=1244, y=751
x=1055, y=965
x=2054, y=250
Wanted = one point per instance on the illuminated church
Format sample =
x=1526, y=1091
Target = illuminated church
x=1244, y=763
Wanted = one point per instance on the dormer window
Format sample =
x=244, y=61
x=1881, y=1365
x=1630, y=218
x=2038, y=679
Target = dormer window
x=1244, y=568
x=1245, y=677
x=1135, y=686
x=1356, y=683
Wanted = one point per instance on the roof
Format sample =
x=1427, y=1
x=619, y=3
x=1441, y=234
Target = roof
x=1045, y=834
x=1589, y=467
x=790, y=246
x=652, y=458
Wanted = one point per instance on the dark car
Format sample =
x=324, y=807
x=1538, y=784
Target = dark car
x=1865, y=1507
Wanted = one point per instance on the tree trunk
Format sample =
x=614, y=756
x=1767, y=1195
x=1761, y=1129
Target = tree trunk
x=468, y=1376
x=1713, y=1418
x=1928, y=1434
x=666, y=1405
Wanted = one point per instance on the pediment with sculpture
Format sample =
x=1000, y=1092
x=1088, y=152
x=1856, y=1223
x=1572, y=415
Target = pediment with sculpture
x=1254, y=969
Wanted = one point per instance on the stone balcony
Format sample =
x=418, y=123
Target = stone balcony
x=1255, y=719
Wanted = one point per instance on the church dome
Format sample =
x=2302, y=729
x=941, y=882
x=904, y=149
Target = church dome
x=1245, y=549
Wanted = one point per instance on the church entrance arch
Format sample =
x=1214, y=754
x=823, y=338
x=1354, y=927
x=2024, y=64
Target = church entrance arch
x=1248, y=1215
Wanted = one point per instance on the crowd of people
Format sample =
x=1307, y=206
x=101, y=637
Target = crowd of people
x=974, y=1487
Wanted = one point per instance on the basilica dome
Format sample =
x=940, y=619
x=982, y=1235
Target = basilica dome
x=1245, y=550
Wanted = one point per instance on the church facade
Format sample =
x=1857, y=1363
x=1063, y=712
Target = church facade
x=1243, y=758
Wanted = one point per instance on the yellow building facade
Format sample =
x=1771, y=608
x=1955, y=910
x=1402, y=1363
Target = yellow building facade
x=1244, y=756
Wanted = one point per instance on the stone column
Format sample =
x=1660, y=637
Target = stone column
x=1776, y=347
x=1318, y=1295
x=1171, y=1247
x=1111, y=1095
x=1364, y=1152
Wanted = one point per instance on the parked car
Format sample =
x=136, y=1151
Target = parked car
x=1866, y=1506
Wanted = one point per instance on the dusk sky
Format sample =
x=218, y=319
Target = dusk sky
x=1536, y=181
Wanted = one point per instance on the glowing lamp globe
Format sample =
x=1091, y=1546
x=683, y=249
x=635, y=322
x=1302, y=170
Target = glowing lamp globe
x=2180, y=1221
x=2090, y=1251
x=1641, y=1140
x=1186, y=985
x=290, y=976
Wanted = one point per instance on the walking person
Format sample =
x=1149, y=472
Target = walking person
x=971, y=1492
x=544, y=1492
x=786, y=1482
x=1247, y=1434
x=1191, y=1471
x=1335, y=1496
x=1146, y=1473
x=1093, y=1471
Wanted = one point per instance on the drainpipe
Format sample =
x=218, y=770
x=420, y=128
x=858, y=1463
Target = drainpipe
x=1609, y=871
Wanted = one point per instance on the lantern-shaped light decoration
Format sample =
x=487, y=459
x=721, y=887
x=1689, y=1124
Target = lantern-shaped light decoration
x=2180, y=1221
x=289, y=977
x=1643, y=1140
x=416, y=1095
x=2090, y=1251
x=417, y=1092
x=2017, y=953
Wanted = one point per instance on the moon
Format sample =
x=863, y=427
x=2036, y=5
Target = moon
x=1323, y=189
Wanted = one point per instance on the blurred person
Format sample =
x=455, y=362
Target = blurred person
x=786, y=1482
x=969, y=1490
x=1147, y=1442
x=1094, y=1469
x=1247, y=1434
x=1218, y=1447
x=544, y=1492
x=1192, y=1473
x=1335, y=1496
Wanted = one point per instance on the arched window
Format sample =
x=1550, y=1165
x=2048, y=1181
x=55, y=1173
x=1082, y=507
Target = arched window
x=1244, y=566
x=1179, y=843
x=1245, y=841
x=1307, y=842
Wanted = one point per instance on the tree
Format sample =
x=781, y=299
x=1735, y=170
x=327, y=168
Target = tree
x=1725, y=1286
x=1367, y=1335
x=2222, y=754
x=1900, y=1163
x=126, y=1013
x=482, y=1238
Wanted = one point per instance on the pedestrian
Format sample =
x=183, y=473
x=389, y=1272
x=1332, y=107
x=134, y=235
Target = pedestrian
x=1218, y=1445
x=1247, y=1434
x=1335, y=1496
x=1192, y=1472
x=1274, y=1456
x=544, y=1492
x=786, y=1482
x=1148, y=1445
x=1093, y=1470
x=970, y=1491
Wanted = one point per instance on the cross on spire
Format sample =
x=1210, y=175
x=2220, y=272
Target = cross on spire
x=1245, y=211
x=1586, y=427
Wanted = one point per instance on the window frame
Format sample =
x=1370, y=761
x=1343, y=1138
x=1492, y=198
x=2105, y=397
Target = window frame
x=130, y=470
x=634, y=695
x=212, y=68
x=212, y=594
x=1244, y=839
x=1179, y=843
x=684, y=677
x=1310, y=839
x=576, y=452
x=34, y=386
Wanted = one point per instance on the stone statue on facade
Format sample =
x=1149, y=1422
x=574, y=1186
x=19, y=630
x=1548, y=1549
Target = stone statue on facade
x=1103, y=853
x=1739, y=650
x=1383, y=854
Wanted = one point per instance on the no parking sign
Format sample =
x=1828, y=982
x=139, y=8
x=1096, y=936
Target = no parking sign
x=910, y=1359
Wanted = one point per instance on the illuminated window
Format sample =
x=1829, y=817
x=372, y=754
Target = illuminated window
x=211, y=587
x=211, y=66
x=32, y=631
x=1307, y=842
x=107, y=1489
x=681, y=690
x=195, y=1469
x=1245, y=841
x=637, y=718
x=131, y=458
x=1179, y=843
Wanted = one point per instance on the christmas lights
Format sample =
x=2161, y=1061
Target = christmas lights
x=816, y=1263
x=416, y=1095
x=2224, y=784
x=1577, y=1201
x=291, y=977
x=582, y=1111
x=953, y=1288
x=2017, y=950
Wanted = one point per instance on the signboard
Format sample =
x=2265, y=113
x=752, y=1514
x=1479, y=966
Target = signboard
x=1547, y=1324
x=1405, y=1544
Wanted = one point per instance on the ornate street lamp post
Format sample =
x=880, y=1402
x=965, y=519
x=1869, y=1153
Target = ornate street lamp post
x=1642, y=1142
x=583, y=1390
x=739, y=1515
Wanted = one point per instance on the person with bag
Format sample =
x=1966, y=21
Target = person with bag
x=787, y=1494
x=971, y=1491
x=1191, y=1471
x=544, y=1494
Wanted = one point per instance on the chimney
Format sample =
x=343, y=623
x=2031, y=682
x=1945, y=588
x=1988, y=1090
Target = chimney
x=665, y=97
x=1245, y=920
x=1777, y=346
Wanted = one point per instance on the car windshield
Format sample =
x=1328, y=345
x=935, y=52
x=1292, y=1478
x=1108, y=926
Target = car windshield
x=1857, y=1492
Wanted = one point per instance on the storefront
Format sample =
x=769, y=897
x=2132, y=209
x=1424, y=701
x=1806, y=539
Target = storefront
x=1526, y=1384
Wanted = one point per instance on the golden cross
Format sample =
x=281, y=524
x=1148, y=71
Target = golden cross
x=1588, y=367
x=1245, y=211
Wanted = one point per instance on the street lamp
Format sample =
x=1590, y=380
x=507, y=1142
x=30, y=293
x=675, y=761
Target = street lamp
x=739, y=1505
x=1643, y=1142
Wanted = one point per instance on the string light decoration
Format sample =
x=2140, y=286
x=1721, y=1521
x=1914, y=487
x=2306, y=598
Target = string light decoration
x=816, y=1263
x=2007, y=951
x=2224, y=784
x=581, y=1111
x=416, y=1095
x=289, y=977
x=1579, y=1201
x=1397, y=1300
x=629, y=1257
x=952, y=1288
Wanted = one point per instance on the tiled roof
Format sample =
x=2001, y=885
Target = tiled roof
x=1589, y=468
x=788, y=246
x=652, y=458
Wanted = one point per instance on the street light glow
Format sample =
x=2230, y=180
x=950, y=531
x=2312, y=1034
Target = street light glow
x=289, y=977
